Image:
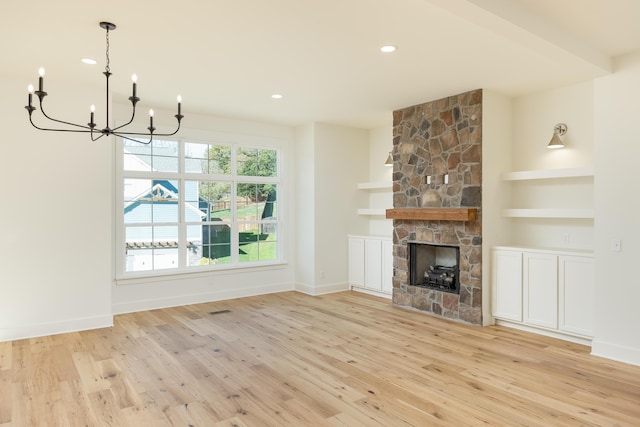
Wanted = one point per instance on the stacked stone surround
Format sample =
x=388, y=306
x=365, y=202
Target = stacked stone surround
x=434, y=139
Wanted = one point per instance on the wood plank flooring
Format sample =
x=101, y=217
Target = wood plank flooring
x=345, y=359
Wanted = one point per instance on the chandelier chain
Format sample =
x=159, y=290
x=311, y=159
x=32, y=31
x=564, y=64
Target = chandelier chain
x=106, y=68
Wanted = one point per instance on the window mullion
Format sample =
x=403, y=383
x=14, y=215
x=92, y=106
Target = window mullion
x=235, y=244
x=182, y=231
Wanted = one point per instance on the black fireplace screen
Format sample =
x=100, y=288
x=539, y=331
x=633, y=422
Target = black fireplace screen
x=435, y=267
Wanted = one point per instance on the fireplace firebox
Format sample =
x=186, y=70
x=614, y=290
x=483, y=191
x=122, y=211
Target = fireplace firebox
x=434, y=267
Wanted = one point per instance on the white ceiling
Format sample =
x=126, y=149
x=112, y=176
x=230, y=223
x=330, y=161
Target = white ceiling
x=227, y=57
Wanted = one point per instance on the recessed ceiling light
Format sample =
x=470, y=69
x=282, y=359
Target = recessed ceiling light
x=276, y=96
x=388, y=49
x=89, y=61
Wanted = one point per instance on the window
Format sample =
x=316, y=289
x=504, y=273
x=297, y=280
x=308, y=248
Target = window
x=193, y=205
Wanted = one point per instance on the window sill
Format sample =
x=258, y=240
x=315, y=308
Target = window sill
x=144, y=277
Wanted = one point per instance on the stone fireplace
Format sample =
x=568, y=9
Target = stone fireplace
x=437, y=172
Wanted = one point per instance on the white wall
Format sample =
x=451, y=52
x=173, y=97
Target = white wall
x=340, y=155
x=617, y=150
x=56, y=218
x=305, y=208
x=534, y=117
x=380, y=144
x=496, y=159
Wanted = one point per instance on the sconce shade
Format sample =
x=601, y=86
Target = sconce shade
x=389, y=161
x=559, y=130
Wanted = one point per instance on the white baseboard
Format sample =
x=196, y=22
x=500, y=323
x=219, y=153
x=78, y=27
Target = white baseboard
x=54, y=328
x=322, y=289
x=616, y=352
x=370, y=292
x=546, y=332
x=175, y=301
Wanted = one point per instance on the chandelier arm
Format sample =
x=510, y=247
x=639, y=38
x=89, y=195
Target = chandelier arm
x=179, y=118
x=62, y=121
x=120, y=135
x=56, y=130
x=148, y=134
x=168, y=134
x=154, y=134
x=101, y=135
x=133, y=115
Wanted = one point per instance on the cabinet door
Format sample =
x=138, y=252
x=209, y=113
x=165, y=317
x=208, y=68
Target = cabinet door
x=356, y=261
x=506, y=279
x=576, y=282
x=540, y=280
x=387, y=266
x=373, y=264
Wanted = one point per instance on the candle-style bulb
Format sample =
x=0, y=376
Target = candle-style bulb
x=92, y=109
x=179, y=99
x=151, y=113
x=41, y=80
x=30, y=90
x=179, y=105
x=134, y=78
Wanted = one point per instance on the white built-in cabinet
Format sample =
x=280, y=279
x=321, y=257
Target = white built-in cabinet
x=548, y=291
x=540, y=289
x=506, y=277
x=356, y=261
x=371, y=264
x=387, y=266
x=576, y=287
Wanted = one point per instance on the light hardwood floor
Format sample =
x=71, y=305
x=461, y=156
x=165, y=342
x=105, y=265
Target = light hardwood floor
x=345, y=359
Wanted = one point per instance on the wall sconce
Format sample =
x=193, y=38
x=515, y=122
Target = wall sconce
x=446, y=178
x=559, y=130
x=389, y=161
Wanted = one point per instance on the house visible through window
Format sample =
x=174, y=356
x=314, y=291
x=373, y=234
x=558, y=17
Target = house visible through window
x=192, y=205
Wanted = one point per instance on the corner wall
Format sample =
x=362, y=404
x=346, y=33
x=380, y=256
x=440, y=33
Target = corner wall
x=496, y=158
x=617, y=129
x=305, y=207
x=380, y=144
x=335, y=159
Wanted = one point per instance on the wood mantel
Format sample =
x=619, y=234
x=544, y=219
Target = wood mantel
x=442, y=214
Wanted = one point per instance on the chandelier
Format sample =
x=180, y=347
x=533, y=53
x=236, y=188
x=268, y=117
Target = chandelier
x=91, y=127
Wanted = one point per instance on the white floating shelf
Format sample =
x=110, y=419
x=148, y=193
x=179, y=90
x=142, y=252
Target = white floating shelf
x=375, y=185
x=548, y=174
x=381, y=212
x=548, y=213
